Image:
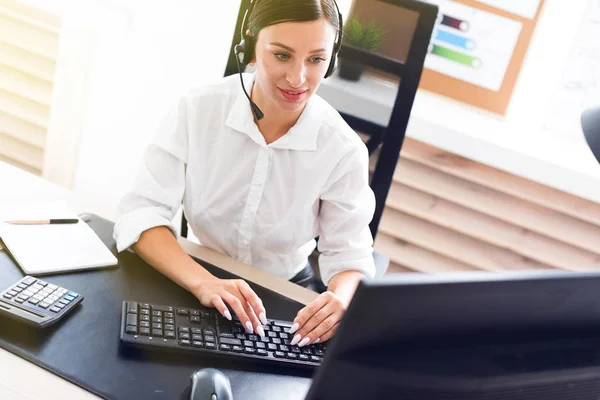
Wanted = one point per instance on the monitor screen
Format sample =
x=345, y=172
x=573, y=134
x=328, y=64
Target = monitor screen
x=468, y=336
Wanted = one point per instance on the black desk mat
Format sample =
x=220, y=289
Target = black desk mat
x=84, y=347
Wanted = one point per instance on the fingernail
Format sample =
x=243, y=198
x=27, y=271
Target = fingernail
x=260, y=331
x=249, y=327
x=263, y=318
x=294, y=328
x=227, y=314
x=304, y=342
x=296, y=339
x=318, y=340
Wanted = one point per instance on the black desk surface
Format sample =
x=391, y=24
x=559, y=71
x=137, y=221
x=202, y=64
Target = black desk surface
x=84, y=347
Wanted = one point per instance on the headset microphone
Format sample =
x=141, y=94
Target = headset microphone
x=258, y=114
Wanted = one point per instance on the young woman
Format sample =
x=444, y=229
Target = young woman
x=261, y=189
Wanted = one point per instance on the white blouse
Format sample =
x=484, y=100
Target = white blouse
x=263, y=204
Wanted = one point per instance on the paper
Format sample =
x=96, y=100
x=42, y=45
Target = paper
x=44, y=249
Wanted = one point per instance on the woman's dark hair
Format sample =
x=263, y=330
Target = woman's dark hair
x=271, y=12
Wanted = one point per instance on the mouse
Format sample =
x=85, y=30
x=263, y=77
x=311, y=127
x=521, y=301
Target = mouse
x=210, y=384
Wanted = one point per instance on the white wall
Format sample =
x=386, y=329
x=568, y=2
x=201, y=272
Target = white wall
x=144, y=54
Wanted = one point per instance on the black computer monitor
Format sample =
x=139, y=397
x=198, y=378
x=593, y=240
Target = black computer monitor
x=467, y=336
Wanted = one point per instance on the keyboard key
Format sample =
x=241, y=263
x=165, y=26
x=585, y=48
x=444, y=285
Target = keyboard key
x=240, y=336
x=145, y=331
x=209, y=332
x=319, y=352
x=169, y=321
x=248, y=343
x=285, y=348
x=162, y=308
x=169, y=315
x=279, y=354
x=284, y=335
x=156, y=313
x=42, y=304
x=28, y=280
x=250, y=350
x=145, y=324
x=184, y=342
x=209, y=338
x=170, y=327
x=291, y=356
x=307, y=350
x=181, y=311
x=303, y=357
x=210, y=345
x=197, y=343
x=276, y=341
x=195, y=313
x=144, y=311
x=272, y=334
x=260, y=345
x=131, y=329
x=7, y=296
x=42, y=283
x=22, y=286
x=254, y=338
x=155, y=325
x=145, y=306
x=59, y=305
x=144, y=318
x=265, y=339
x=272, y=346
x=194, y=319
x=227, y=335
x=12, y=293
x=20, y=301
x=184, y=329
x=51, y=286
x=276, y=328
x=315, y=359
x=23, y=297
x=296, y=349
x=225, y=347
x=197, y=331
x=75, y=295
x=157, y=332
x=34, y=301
x=262, y=352
x=196, y=337
x=237, y=349
x=132, y=306
x=170, y=334
x=28, y=293
x=132, y=319
x=184, y=335
x=55, y=309
x=283, y=324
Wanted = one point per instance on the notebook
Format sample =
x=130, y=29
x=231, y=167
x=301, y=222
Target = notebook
x=49, y=249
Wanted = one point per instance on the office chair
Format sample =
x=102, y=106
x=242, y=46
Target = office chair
x=387, y=139
x=590, y=122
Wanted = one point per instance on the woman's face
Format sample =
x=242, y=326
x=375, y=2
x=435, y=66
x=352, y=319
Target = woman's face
x=291, y=61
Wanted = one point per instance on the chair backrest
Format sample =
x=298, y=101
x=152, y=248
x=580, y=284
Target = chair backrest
x=355, y=99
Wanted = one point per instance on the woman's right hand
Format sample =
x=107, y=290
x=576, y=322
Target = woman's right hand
x=216, y=292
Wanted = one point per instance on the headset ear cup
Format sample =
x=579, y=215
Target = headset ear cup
x=332, y=66
x=240, y=51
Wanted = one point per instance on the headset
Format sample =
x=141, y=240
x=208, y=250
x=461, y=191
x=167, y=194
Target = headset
x=245, y=49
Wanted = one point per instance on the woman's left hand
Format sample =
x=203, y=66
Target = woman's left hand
x=318, y=321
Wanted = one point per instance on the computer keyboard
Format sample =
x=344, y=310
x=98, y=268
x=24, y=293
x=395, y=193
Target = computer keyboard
x=203, y=330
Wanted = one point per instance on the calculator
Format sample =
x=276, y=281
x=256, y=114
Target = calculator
x=37, y=302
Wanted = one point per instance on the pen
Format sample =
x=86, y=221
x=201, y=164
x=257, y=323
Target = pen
x=45, y=221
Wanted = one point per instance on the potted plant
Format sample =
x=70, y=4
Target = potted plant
x=363, y=35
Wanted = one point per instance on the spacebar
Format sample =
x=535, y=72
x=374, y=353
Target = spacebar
x=233, y=342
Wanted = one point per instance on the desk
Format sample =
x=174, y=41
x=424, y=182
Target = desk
x=16, y=381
